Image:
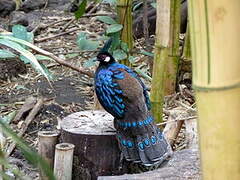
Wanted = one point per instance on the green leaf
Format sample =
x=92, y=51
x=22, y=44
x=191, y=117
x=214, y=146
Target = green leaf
x=114, y=28
x=119, y=54
x=111, y=2
x=115, y=41
x=71, y=55
x=147, y=53
x=143, y=74
x=81, y=9
x=106, y=19
x=25, y=59
x=4, y=54
x=89, y=63
x=8, y=118
x=20, y=41
x=124, y=47
x=43, y=58
x=46, y=70
x=28, y=153
x=132, y=59
x=21, y=87
x=85, y=44
x=154, y=4
x=137, y=6
x=25, y=53
x=20, y=32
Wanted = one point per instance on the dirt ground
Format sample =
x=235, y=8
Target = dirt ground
x=71, y=91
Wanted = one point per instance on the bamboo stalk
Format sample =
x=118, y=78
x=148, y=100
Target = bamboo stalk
x=174, y=56
x=166, y=54
x=63, y=161
x=187, y=46
x=124, y=10
x=46, y=148
x=215, y=40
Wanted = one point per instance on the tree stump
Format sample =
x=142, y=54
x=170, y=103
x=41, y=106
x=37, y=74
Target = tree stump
x=96, y=149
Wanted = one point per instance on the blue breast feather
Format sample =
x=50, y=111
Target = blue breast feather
x=109, y=92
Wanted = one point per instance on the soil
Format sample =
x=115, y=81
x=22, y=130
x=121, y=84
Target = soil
x=70, y=91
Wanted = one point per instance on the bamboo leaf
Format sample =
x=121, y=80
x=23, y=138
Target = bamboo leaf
x=81, y=9
x=25, y=53
x=7, y=119
x=42, y=58
x=25, y=43
x=147, y=53
x=4, y=54
x=114, y=28
x=28, y=153
x=106, y=19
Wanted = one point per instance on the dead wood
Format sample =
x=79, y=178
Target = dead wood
x=25, y=125
x=29, y=104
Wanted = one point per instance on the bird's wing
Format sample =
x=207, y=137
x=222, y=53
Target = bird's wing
x=109, y=93
x=145, y=93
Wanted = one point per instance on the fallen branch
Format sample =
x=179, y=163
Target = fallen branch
x=56, y=35
x=25, y=125
x=67, y=64
x=29, y=103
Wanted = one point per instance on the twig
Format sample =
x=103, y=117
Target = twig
x=28, y=120
x=180, y=119
x=68, y=24
x=97, y=14
x=64, y=63
x=39, y=24
x=56, y=35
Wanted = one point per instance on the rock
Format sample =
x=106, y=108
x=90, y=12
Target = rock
x=184, y=164
x=6, y=7
x=18, y=17
x=29, y=5
x=29, y=20
x=138, y=20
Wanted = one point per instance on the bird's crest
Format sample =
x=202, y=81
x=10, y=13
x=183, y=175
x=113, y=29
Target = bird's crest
x=106, y=46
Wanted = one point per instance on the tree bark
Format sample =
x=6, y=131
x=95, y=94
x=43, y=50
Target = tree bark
x=96, y=149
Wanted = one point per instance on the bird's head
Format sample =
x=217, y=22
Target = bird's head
x=105, y=58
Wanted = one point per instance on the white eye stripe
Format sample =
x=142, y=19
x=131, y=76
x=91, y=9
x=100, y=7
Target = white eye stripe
x=107, y=59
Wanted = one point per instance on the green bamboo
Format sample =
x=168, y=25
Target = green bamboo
x=166, y=56
x=187, y=46
x=174, y=55
x=124, y=10
x=215, y=40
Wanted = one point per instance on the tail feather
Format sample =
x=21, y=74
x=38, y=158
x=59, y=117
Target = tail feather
x=146, y=145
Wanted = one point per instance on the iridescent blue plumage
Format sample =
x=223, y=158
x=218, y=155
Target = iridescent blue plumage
x=122, y=93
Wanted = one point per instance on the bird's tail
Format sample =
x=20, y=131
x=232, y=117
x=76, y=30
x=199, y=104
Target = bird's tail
x=142, y=142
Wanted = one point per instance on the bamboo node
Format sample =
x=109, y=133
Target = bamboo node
x=65, y=146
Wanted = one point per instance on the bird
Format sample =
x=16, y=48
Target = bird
x=123, y=94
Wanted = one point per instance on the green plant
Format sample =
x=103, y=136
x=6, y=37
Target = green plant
x=30, y=155
x=20, y=42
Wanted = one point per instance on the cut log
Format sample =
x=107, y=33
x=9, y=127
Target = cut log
x=183, y=165
x=96, y=149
